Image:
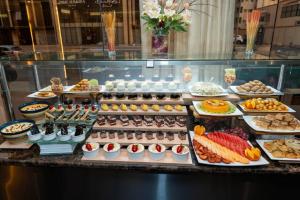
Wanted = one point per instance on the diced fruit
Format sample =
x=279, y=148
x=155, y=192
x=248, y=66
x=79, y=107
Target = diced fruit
x=89, y=147
x=158, y=148
x=110, y=147
x=134, y=148
x=199, y=130
x=179, y=149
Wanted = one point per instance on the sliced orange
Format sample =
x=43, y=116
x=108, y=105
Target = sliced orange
x=199, y=130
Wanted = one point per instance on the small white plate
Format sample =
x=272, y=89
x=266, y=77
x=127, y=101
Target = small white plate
x=275, y=92
x=261, y=144
x=260, y=162
x=197, y=104
x=35, y=96
x=251, y=123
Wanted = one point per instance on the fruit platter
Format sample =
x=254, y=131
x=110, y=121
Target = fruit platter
x=224, y=149
x=207, y=89
x=255, y=88
x=282, y=150
x=280, y=123
x=259, y=105
x=214, y=107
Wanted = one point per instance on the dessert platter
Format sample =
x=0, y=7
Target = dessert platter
x=16, y=128
x=215, y=107
x=34, y=110
x=137, y=153
x=84, y=86
x=207, y=89
x=224, y=149
x=141, y=86
x=267, y=105
x=280, y=123
x=282, y=150
x=255, y=88
x=141, y=98
x=143, y=109
x=141, y=137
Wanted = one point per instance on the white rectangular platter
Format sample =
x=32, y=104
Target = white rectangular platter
x=35, y=96
x=222, y=94
x=197, y=104
x=123, y=157
x=262, y=161
x=290, y=110
x=261, y=144
x=144, y=140
x=140, y=100
x=251, y=123
x=276, y=92
x=68, y=89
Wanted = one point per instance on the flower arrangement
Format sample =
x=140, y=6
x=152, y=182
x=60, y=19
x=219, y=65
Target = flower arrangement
x=161, y=16
x=252, y=28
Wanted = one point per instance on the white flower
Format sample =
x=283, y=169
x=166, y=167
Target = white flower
x=186, y=16
x=169, y=3
x=169, y=12
x=151, y=8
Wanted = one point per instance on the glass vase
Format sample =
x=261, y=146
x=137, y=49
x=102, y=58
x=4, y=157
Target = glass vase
x=160, y=44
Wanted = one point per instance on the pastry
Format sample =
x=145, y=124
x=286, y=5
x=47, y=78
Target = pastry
x=158, y=86
x=155, y=107
x=129, y=135
x=160, y=135
x=90, y=150
x=268, y=104
x=109, y=86
x=121, y=135
x=160, y=96
x=133, y=107
x=94, y=85
x=180, y=152
x=111, y=135
x=124, y=120
x=123, y=107
x=114, y=107
x=148, y=120
x=157, y=151
x=112, y=120
x=104, y=107
x=181, y=121
x=107, y=96
x=138, y=135
x=215, y=106
x=131, y=86
x=132, y=96
x=121, y=86
x=95, y=135
x=182, y=135
x=94, y=109
x=120, y=96
x=277, y=122
x=103, y=134
x=137, y=120
x=82, y=85
x=147, y=96
x=170, y=121
x=149, y=136
x=79, y=130
x=170, y=136
x=179, y=108
x=111, y=150
x=159, y=120
x=52, y=109
x=174, y=96
x=206, y=89
x=168, y=107
x=144, y=107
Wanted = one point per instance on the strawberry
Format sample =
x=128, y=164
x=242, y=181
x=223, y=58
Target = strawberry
x=69, y=106
x=179, y=149
x=51, y=107
x=158, y=148
x=86, y=107
x=110, y=147
x=134, y=148
x=93, y=108
x=89, y=147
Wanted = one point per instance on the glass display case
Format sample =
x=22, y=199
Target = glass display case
x=32, y=72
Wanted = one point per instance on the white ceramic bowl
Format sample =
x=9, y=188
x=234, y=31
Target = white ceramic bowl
x=64, y=138
x=113, y=153
x=180, y=156
x=35, y=137
x=154, y=154
x=93, y=153
x=136, y=155
x=49, y=137
x=78, y=138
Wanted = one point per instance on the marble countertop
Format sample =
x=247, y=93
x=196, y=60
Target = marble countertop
x=31, y=158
